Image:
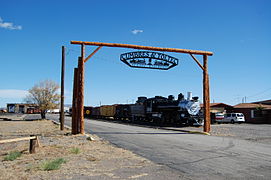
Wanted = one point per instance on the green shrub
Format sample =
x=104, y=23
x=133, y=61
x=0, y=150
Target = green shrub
x=75, y=150
x=53, y=164
x=12, y=156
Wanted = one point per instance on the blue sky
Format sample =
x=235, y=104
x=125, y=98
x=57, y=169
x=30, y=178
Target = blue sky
x=237, y=31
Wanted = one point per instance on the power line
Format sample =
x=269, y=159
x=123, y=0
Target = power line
x=262, y=92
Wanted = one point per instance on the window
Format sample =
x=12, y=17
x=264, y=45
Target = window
x=228, y=115
x=258, y=113
x=233, y=115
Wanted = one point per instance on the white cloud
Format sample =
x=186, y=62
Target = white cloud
x=9, y=25
x=13, y=93
x=136, y=31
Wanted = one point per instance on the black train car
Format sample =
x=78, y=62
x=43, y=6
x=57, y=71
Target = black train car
x=88, y=111
x=96, y=112
x=138, y=110
x=123, y=112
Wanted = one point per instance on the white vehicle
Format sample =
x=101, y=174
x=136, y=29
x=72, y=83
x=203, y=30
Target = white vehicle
x=233, y=118
x=54, y=111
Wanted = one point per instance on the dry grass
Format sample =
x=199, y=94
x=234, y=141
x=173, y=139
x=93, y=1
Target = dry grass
x=52, y=164
x=75, y=150
x=12, y=156
x=83, y=158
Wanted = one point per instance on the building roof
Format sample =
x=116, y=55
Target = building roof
x=218, y=105
x=252, y=105
x=25, y=104
x=268, y=102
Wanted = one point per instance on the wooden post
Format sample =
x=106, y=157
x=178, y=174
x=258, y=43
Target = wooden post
x=78, y=110
x=206, y=96
x=81, y=89
x=33, y=144
x=74, y=102
x=62, y=90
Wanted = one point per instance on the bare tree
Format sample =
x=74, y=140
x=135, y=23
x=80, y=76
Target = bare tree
x=45, y=95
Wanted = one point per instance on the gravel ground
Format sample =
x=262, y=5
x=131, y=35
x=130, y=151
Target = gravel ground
x=260, y=133
x=251, y=132
x=97, y=159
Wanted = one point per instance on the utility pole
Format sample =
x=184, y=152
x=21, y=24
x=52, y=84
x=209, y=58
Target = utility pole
x=62, y=90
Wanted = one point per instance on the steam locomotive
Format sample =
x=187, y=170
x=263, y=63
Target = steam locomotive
x=157, y=110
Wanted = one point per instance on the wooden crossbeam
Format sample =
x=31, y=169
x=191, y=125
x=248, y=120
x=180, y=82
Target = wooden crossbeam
x=187, y=51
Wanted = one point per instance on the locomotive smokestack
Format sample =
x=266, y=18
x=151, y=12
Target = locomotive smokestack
x=189, y=96
x=170, y=98
x=180, y=97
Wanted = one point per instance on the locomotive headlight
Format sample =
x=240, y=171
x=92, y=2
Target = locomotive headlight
x=182, y=115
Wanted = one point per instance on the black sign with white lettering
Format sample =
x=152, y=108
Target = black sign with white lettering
x=150, y=60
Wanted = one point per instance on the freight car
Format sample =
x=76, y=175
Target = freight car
x=108, y=111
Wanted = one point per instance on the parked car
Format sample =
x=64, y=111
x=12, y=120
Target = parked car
x=218, y=117
x=233, y=118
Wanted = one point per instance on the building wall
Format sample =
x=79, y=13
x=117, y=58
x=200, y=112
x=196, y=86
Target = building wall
x=11, y=108
x=18, y=108
x=251, y=115
x=269, y=116
x=217, y=110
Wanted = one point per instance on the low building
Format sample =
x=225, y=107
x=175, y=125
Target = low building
x=16, y=108
x=220, y=108
x=254, y=113
x=22, y=108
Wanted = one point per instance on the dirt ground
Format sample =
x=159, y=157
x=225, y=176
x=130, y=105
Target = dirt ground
x=97, y=159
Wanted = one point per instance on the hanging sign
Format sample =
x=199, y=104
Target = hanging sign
x=149, y=60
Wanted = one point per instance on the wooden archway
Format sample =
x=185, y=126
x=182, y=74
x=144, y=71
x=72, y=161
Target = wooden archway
x=78, y=86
